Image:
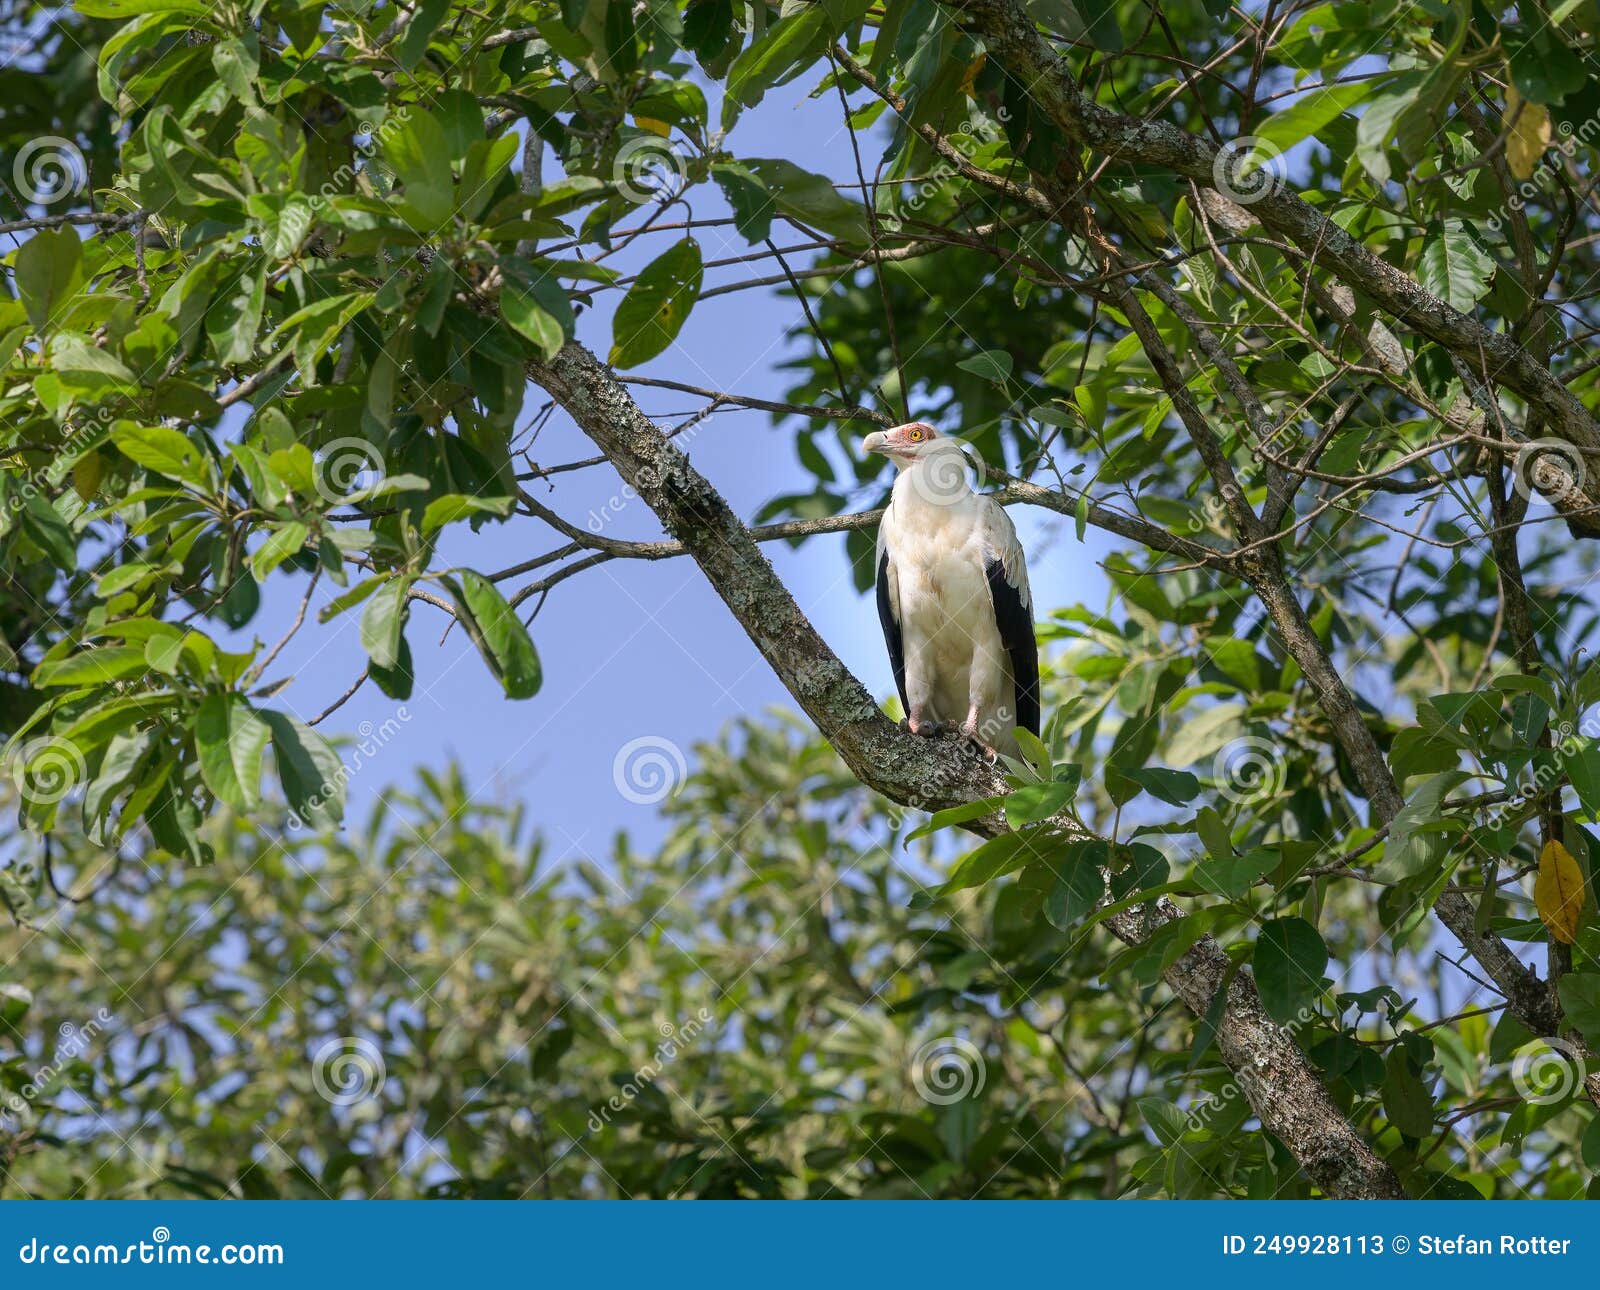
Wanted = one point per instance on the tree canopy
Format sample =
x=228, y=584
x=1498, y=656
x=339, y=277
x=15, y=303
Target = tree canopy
x=1292, y=300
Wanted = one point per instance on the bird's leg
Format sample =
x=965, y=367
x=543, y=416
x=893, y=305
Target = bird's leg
x=919, y=694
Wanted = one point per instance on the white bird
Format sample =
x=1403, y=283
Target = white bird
x=953, y=597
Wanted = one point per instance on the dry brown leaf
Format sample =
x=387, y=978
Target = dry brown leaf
x=1558, y=892
x=1530, y=134
x=969, y=78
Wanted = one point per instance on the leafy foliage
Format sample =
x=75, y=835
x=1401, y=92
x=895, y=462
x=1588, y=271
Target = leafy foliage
x=273, y=319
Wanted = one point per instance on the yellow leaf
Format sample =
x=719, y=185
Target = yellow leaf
x=659, y=127
x=1558, y=892
x=969, y=78
x=86, y=474
x=1530, y=134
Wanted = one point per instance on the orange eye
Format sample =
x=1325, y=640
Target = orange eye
x=916, y=436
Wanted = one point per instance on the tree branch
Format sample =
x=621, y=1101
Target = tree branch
x=1271, y=1071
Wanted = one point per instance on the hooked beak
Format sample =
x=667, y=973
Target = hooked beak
x=877, y=441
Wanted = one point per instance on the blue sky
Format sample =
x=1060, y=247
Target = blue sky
x=633, y=649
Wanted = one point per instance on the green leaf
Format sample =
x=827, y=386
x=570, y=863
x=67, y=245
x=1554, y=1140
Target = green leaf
x=1580, y=1001
x=1405, y=1098
x=1079, y=886
x=1414, y=840
x=1377, y=124
x=92, y=666
x=1583, y=769
x=286, y=539
x=420, y=154
x=231, y=739
x=1035, y=802
x=1453, y=266
x=657, y=305
x=1231, y=876
x=311, y=773
x=52, y=534
x=810, y=198
x=785, y=50
x=500, y=635
x=973, y=810
x=1289, y=962
x=1177, y=787
x=425, y=20
x=997, y=856
x=537, y=306
x=990, y=364
x=48, y=269
x=1214, y=834
x=1546, y=70
x=1307, y=116
x=167, y=452
x=454, y=506
x=753, y=206
x=383, y=620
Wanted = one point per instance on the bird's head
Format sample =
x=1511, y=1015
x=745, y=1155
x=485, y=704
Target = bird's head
x=911, y=442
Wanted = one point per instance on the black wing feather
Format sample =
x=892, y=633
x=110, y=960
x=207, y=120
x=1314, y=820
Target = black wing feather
x=891, y=630
x=1011, y=616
